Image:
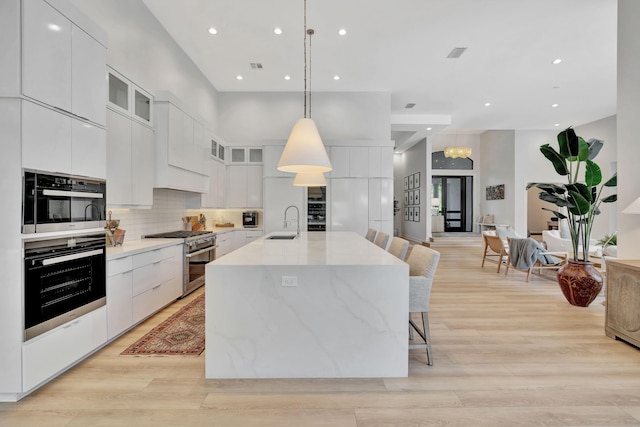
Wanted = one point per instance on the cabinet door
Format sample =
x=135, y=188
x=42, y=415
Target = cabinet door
x=46, y=139
x=254, y=155
x=271, y=157
x=237, y=196
x=88, y=150
x=238, y=155
x=119, y=303
x=89, y=86
x=340, y=162
x=46, y=57
x=279, y=193
x=221, y=184
x=359, y=162
x=349, y=205
x=210, y=199
x=142, y=164
x=118, y=159
x=178, y=152
x=254, y=186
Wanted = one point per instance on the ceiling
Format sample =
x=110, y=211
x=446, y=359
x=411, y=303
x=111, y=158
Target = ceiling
x=401, y=47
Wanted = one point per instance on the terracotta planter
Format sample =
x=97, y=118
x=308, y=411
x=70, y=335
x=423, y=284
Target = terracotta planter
x=580, y=282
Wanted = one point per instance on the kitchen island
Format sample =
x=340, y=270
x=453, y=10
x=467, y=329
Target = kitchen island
x=322, y=305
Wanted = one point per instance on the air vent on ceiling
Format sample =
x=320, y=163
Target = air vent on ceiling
x=410, y=105
x=456, y=52
x=256, y=65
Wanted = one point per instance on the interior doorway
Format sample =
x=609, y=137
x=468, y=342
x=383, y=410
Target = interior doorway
x=454, y=196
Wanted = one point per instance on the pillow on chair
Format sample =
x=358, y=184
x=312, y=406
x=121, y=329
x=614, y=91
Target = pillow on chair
x=505, y=231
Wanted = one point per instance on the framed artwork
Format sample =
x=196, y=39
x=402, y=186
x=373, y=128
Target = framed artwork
x=495, y=192
x=416, y=197
x=416, y=213
x=416, y=180
x=406, y=213
x=410, y=178
x=410, y=213
x=411, y=197
x=406, y=197
x=406, y=183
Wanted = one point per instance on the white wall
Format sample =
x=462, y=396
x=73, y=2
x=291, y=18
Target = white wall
x=249, y=118
x=142, y=50
x=628, y=126
x=497, y=152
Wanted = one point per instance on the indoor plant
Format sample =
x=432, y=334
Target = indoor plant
x=579, y=203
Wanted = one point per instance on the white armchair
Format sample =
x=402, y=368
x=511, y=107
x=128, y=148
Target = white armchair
x=556, y=243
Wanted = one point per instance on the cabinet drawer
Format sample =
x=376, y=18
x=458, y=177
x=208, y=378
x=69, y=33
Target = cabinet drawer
x=155, y=298
x=151, y=275
x=153, y=256
x=50, y=353
x=119, y=266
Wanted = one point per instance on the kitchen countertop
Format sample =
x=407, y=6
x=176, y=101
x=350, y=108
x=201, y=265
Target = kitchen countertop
x=133, y=247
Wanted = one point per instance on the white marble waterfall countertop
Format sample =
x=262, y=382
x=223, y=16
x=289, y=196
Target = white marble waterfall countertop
x=310, y=248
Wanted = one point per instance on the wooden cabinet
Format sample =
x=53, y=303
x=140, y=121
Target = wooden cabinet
x=63, y=65
x=622, y=319
x=51, y=353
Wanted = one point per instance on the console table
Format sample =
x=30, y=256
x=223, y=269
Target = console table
x=622, y=319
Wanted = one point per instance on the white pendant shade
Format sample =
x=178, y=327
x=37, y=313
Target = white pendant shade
x=633, y=208
x=310, y=179
x=304, y=151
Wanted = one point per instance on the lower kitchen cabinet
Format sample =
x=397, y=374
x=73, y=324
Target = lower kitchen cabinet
x=53, y=352
x=224, y=242
x=141, y=284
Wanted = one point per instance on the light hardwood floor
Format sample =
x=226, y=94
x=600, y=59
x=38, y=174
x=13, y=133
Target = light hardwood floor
x=506, y=353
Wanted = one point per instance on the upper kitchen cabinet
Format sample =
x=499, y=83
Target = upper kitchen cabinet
x=130, y=145
x=215, y=198
x=182, y=146
x=245, y=186
x=245, y=155
x=361, y=162
x=63, y=59
x=271, y=156
x=129, y=99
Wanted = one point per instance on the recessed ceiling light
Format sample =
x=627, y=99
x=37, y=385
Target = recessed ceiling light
x=428, y=128
x=556, y=61
x=554, y=105
x=487, y=104
x=277, y=30
x=287, y=77
x=342, y=31
x=336, y=77
x=54, y=27
x=239, y=77
x=557, y=124
x=213, y=30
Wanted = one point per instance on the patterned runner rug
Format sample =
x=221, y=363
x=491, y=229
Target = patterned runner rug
x=181, y=334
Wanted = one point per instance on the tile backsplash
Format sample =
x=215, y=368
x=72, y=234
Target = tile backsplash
x=169, y=206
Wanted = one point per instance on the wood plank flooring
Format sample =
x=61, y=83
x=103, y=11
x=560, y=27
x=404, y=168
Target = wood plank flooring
x=506, y=353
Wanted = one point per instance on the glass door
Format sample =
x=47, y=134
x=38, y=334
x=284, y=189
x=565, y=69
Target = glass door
x=455, y=197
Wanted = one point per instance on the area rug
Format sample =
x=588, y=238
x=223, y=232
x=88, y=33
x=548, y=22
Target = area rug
x=181, y=334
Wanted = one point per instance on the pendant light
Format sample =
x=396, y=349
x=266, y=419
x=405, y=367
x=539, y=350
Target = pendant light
x=310, y=179
x=305, y=151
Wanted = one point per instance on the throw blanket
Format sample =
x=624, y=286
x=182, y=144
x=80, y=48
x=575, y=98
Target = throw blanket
x=525, y=252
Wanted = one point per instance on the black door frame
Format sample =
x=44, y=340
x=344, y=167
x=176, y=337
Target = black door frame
x=464, y=226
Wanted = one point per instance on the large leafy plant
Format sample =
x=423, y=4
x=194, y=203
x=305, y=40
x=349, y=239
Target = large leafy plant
x=580, y=198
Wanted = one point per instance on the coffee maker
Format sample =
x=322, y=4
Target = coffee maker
x=250, y=219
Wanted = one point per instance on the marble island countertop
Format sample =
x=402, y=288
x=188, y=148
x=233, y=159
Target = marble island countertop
x=310, y=248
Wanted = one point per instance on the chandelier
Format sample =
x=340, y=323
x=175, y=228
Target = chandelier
x=304, y=151
x=454, y=152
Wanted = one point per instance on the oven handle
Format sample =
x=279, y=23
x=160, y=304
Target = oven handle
x=61, y=193
x=202, y=251
x=64, y=258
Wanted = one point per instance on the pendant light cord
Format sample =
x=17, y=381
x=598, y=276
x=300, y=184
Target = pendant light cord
x=307, y=93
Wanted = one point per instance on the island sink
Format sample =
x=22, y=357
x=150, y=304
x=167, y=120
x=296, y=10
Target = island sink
x=281, y=237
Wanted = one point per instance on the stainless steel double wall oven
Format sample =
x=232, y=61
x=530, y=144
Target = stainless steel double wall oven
x=64, y=270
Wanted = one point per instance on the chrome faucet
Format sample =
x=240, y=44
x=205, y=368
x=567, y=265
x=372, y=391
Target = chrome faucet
x=297, y=218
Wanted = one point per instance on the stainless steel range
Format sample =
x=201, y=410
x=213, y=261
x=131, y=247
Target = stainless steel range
x=199, y=250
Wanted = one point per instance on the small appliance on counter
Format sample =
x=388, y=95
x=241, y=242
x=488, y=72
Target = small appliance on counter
x=250, y=219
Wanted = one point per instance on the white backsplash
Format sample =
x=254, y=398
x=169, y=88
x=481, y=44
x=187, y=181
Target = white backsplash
x=166, y=215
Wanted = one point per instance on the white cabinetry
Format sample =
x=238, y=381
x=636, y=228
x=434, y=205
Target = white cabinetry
x=63, y=66
x=215, y=198
x=55, y=351
x=182, y=156
x=381, y=204
x=245, y=186
x=279, y=193
x=130, y=161
x=141, y=284
x=245, y=155
x=349, y=204
x=129, y=99
x=349, y=162
x=224, y=242
x=271, y=157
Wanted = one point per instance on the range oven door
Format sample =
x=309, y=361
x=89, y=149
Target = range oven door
x=59, y=203
x=196, y=261
x=64, y=279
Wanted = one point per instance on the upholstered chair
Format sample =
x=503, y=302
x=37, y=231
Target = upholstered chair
x=371, y=235
x=399, y=247
x=423, y=263
x=382, y=239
